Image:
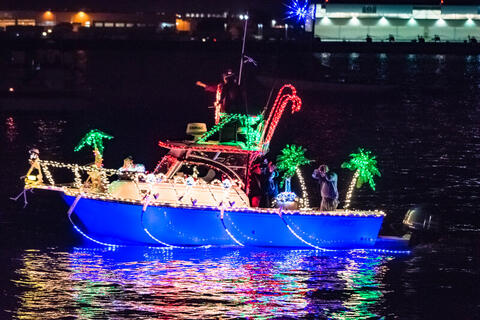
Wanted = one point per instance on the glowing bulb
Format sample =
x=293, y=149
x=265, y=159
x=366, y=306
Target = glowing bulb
x=383, y=21
x=354, y=21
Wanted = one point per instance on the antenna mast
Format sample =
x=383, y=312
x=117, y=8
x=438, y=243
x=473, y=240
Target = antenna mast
x=243, y=49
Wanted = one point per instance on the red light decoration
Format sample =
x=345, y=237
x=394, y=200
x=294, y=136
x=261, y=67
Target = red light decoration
x=207, y=147
x=166, y=161
x=217, y=104
x=279, y=106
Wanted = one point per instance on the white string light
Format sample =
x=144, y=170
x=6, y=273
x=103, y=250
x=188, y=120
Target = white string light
x=105, y=196
x=350, y=190
x=304, y=201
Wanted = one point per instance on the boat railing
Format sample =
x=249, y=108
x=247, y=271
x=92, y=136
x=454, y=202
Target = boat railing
x=93, y=180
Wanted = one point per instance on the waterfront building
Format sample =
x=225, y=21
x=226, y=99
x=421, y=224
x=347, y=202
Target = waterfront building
x=395, y=22
x=83, y=19
x=222, y=24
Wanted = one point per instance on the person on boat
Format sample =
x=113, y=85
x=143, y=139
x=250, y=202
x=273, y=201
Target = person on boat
x=228, y=91
x=328, y=187
x=34, y=174
x=256, y=192
x=269, y=185
x=229, y=99
x=127, y=164
x=129, y=167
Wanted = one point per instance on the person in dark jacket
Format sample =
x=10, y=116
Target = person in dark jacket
x=256, y=192
x=269, y=185
x=229, y=95
x=229, y=99
x=328, y=187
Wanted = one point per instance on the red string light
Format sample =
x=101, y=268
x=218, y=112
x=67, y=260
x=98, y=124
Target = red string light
x=279, y=106
x=217, y=103
x=207, y=148
x=166, y=160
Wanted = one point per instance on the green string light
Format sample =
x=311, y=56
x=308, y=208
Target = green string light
x=366, y=166
x=250, y=126
x=94, y=139
x=290, y=159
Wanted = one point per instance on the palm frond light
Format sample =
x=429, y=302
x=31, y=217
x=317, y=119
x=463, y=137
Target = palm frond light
x=94, y=139
x=290, y=159
x=365, y=164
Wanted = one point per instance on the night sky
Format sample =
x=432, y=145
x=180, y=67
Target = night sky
x=275, y=7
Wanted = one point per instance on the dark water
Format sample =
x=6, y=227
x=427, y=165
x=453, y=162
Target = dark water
x=419, y=114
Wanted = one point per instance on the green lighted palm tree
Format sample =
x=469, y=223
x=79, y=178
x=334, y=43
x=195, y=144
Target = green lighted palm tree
x=365, y=167
x=291, y=158
x=94, y=139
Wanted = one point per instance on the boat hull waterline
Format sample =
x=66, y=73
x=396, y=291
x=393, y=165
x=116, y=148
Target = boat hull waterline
x=122, y=223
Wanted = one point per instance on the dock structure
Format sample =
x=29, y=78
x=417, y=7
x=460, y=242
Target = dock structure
x=395, y=22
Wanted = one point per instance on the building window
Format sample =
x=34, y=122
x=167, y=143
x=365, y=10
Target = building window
x=26, y=22
x=98, y=24
x=6, y=22
x=120, y=24
x=108, y=24
x=369, y=9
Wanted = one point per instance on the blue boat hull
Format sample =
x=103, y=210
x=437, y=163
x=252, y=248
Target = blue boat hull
x=124, y=223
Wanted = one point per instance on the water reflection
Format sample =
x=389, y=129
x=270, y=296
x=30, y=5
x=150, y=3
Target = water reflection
x=11, y=129
x=49, y=134
x=199, y=283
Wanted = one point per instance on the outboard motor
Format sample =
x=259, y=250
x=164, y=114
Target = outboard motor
x=422, y=224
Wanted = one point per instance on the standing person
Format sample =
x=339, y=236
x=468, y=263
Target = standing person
x=328, y=187
x=256, y=186
x=269, y=185
x=229, y=97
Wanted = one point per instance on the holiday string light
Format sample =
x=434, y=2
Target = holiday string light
x=279, y=106
x=45, y=164
x=159, y=203
x=289, y=160
x=109, y=197
x=47, y=172
x=251, y=125
x=237, y=180
x=78, y=178
x=365, y=167
x=217, y=104
x=166, y=160
x=284, y=197
x=103, y=195
x=305, y=202
x=350, y=191
x=94, y=138
x=218, y=126
x=209, y=148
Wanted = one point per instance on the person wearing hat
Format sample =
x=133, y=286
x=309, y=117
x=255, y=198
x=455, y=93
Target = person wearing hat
x=34, y=174
x=228, y=93
x=328, y=187
x=229, y=99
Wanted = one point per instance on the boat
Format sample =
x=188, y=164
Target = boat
x=197, y=195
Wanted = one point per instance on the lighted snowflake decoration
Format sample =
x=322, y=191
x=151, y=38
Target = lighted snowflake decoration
x=299, y=10
x=285, y=197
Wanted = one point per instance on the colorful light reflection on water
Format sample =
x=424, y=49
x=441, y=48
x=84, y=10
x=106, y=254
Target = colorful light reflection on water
x=91, y=283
